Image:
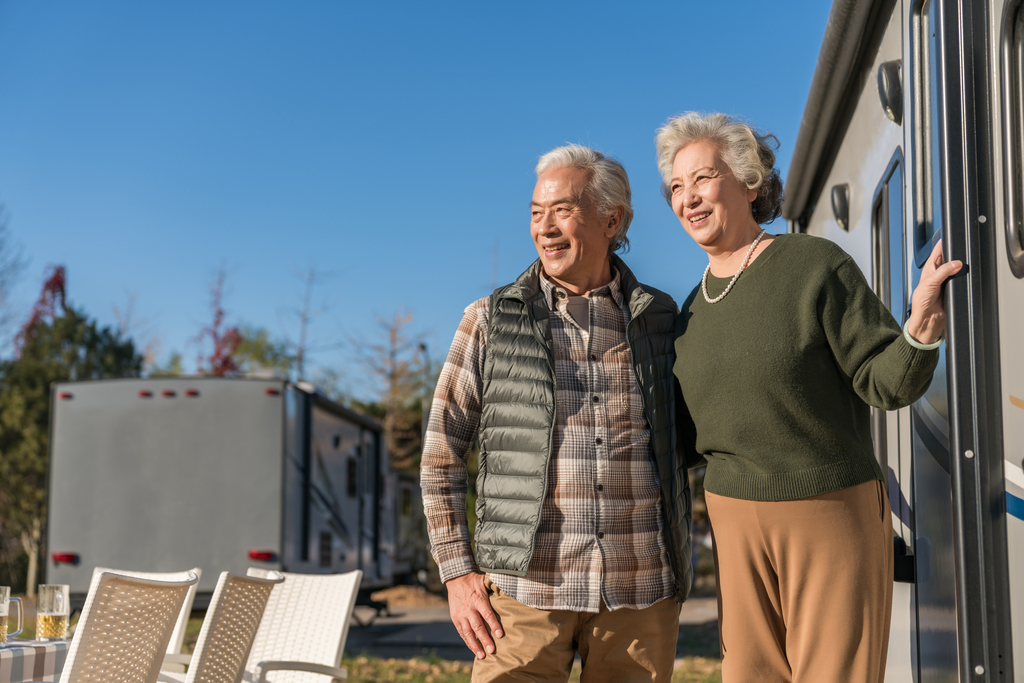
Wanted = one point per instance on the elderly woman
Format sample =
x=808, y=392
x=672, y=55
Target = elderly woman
x=780, y=351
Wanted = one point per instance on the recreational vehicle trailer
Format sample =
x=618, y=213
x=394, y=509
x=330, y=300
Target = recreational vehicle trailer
x=163, y=474
x=913, y=132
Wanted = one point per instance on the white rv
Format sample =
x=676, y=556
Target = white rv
x=913, y=132
x=163, y=474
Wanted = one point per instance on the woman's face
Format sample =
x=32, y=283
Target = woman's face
x=713, y=206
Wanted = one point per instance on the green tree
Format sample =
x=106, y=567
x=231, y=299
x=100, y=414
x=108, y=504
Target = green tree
x=174, y=367
x=67, y=347
x=257, y=351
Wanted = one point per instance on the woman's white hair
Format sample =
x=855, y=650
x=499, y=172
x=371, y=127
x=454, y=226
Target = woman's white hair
x=607, y=187
x=749, y=154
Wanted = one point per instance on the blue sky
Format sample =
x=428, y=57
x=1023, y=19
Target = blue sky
x=146, y=145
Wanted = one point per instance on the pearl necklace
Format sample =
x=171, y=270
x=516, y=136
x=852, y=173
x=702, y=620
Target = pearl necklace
x=704, y=278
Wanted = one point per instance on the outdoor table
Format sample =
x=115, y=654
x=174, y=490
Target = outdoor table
x=32, y=660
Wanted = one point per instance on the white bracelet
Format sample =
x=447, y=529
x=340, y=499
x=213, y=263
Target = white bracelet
x=918, y=345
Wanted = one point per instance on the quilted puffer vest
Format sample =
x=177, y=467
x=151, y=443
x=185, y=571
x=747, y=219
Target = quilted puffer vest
x=518, y=420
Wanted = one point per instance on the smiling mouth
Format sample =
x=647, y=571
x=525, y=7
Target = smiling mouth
x=554, y=249
x=697, y=218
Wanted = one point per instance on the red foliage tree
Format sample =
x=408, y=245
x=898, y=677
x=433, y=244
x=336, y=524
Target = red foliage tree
x=221, y=361
x=45, y=307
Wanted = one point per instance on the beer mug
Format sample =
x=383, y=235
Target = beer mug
x=52, y=612
x=5, y=603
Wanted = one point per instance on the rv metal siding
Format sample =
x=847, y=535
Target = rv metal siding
x=164, y=483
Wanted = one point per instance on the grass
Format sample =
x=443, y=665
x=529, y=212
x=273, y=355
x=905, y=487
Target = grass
x=699, y=665
x=415, y=670
x=434, y=670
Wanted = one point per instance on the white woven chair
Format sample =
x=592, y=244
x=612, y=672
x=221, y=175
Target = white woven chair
x=124, y=629
x=231, y=621
x=303, y=633
x=178, y=635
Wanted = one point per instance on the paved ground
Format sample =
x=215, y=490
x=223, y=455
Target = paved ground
x=424, y=631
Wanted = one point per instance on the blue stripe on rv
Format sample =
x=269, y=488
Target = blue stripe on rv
x=1014, y=505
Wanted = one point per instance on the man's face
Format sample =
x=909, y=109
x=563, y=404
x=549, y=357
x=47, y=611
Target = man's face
x=572, y=239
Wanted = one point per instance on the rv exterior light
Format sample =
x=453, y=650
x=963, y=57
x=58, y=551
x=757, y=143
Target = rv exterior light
x=271, y=391
x=168, y=393
x=145, y=393
x=263, y=555
x=192, y=392
x=64, y=395
x=841, y=205
x=890, y=89
x=65, y=558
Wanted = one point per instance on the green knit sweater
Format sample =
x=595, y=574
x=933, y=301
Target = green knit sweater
x=778, y=376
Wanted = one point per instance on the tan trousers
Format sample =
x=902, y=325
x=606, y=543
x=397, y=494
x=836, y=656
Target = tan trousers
x=540, y=645
x=804, y=586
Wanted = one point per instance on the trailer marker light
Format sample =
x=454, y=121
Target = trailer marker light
x=169, y=393
x=263, y=555
x=271, y=391
x=191, y=392
x=145, y=393
x=65, y=395
x=65, y=558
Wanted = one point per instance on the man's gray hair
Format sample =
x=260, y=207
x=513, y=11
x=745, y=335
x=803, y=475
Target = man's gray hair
x=607, y=187
x=749, y=154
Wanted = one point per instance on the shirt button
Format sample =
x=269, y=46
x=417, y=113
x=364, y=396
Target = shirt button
x=596, y=399
x=600, y=487
x=600, y=534
x=598, y=441
x=593, y=356
x=561, y=294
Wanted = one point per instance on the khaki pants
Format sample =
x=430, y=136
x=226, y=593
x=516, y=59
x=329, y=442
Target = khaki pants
x=804, y=586
x=621, y=646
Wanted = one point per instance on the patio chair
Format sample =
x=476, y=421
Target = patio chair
x=302, y=636
x=124, y=629
x=178, y=636
x=231, y=621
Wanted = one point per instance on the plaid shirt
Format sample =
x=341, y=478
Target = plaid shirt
x=601, y=534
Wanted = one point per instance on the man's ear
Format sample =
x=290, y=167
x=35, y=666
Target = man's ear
x=614, y=221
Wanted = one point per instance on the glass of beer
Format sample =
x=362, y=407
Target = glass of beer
x=52, y=612
x=5, y=605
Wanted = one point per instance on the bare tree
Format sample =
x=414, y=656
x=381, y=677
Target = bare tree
x=305, y=313
x=138, y=329
x=397, y=359
x=12, y=263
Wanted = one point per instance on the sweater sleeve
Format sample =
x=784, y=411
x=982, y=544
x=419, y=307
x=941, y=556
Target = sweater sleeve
x=868, y=344
x=686, y=433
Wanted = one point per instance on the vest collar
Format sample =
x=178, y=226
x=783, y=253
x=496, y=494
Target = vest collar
x=527, y=287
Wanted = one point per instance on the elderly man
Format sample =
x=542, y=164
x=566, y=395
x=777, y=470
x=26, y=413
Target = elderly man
x=583, y=510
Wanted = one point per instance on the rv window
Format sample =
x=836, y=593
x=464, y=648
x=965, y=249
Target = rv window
x=351, y=483
x=325, y=548
x=929, y=220
x=888, y=238
x=897, y=279
x=888, y=268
